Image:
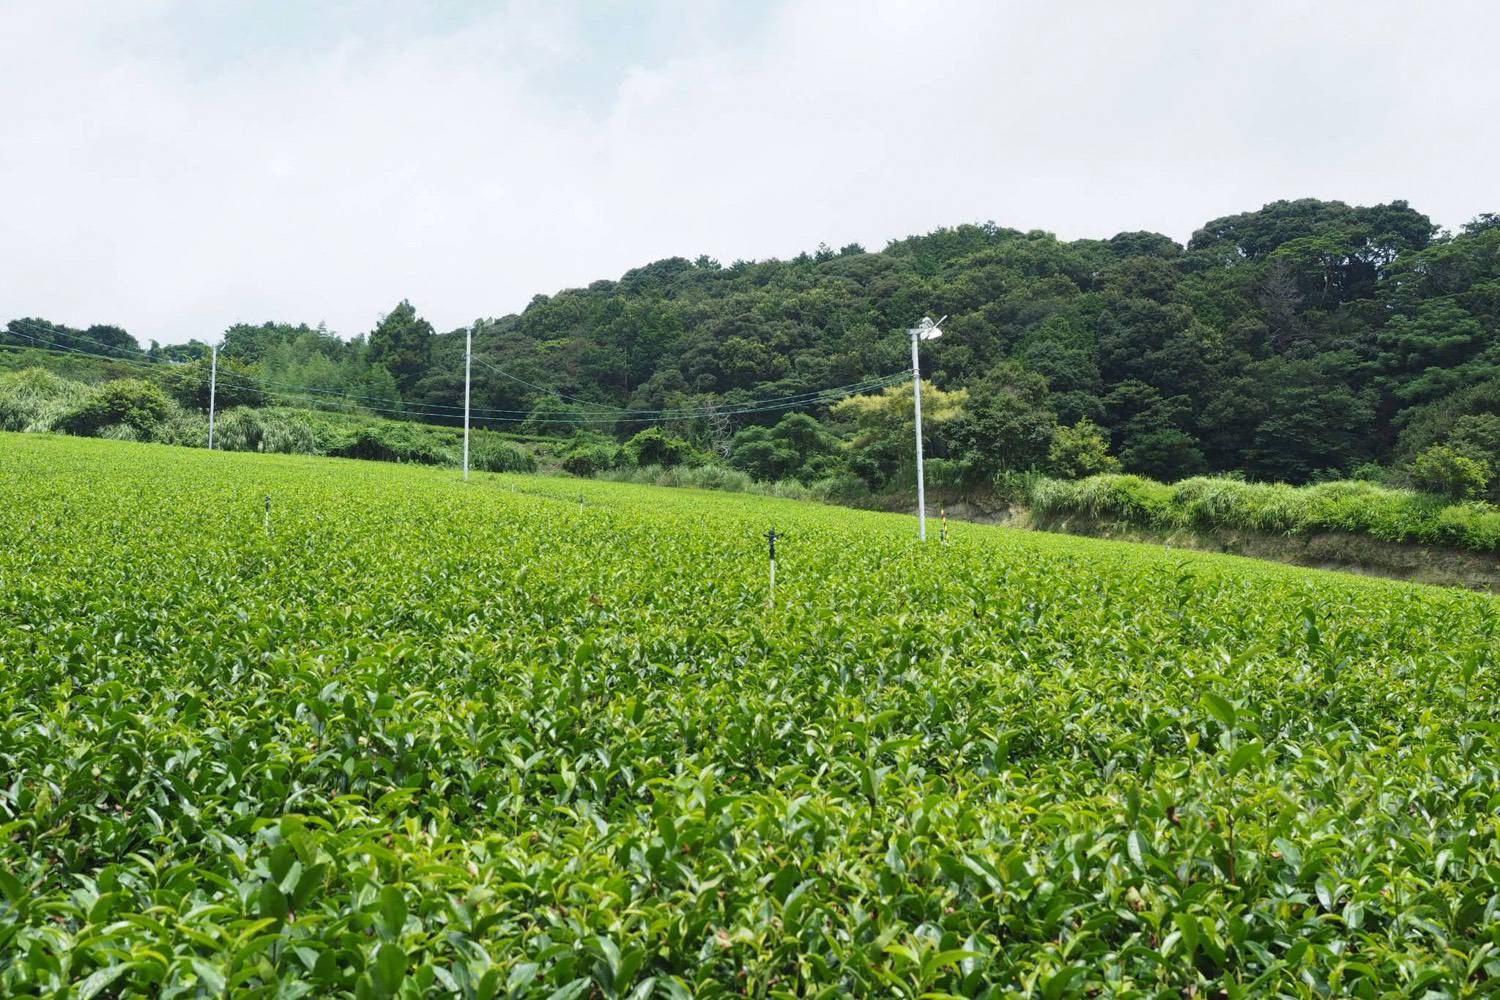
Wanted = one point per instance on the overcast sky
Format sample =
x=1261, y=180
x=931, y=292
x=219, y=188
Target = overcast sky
x=174, y=167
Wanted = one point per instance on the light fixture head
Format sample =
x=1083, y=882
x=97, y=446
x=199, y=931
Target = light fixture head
x=927, y=329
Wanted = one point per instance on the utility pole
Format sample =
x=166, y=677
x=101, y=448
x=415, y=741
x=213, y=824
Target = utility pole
x=925, y=330
x=468, y=368
x=213, y=386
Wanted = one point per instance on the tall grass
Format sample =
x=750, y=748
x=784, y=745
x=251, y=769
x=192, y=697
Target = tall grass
x=707, y=477
x=1205, y=502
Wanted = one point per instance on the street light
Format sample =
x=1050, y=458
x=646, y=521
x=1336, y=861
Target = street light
x=925, y=330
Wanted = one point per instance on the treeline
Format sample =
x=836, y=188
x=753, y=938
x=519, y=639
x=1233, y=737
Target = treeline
x=1306, y=341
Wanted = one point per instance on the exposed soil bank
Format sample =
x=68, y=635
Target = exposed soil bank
x=1323, y=550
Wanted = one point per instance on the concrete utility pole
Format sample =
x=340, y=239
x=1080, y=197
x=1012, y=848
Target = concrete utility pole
x=468, y=369
x=925, y=330
x=213, y=386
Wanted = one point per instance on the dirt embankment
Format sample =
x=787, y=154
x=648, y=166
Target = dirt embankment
x=1323, y=550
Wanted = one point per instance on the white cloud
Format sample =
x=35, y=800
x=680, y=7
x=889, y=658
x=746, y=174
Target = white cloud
x=174, y=188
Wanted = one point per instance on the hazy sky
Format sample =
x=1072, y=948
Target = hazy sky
x=174, y=166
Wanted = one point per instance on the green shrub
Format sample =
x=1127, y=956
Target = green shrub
x=1470, y=526
x=1080, y=451
x=843, y=487
x=592, y=457
x=1450, y=472
x=188, y=385
x=653, y=446
x=135, y=403
x=948, y=473
x=1114, y=497
x=1215, y=502
x=714, y=477
x=392, y=443
x=1015, y=488
x=1353, y=507
x=489, y=455
x=182, y=428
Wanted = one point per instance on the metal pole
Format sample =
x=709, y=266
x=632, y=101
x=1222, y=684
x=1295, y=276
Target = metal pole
x=916, y=376
x=468, y=368
x=213, y=386
x=771, y=537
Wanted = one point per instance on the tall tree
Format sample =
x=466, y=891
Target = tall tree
x=402, y=344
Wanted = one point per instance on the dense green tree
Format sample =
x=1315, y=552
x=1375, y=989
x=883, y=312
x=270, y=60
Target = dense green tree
x=101, y=339
x=797, y=445
x=401, y=343
x=1007, y=422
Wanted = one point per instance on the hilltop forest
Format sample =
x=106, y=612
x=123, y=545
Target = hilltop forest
x=1303, y=341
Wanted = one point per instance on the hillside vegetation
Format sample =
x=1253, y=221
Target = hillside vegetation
x=1301, y=342
x=288, y=726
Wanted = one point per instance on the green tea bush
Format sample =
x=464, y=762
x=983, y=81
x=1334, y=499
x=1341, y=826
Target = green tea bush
x=403, y=737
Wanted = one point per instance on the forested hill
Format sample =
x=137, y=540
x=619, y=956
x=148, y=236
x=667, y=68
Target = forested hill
x=1285, y=343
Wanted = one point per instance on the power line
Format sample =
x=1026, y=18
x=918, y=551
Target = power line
x=533, y=385
x=442, y=411
x=710, y=409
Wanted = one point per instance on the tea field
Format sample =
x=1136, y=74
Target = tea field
x=405, y=736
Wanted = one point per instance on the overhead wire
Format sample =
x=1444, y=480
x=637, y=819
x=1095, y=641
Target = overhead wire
x=488, y=415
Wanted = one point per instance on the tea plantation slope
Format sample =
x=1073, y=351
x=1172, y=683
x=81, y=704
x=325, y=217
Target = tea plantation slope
x=422, y=738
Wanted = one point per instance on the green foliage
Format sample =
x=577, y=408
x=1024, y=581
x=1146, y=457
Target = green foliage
x=653, y=446
x=429, y=739
x=553, y=416
x=1080, y=451
x=1007, y=422
x=273, y=430
x=882, y=428
x=772, y=453
x=401, y=343
x=391, y=441
x=101, y=339
x=1167, y=453
x=588, y=457
x=490, y=455
x=1450, y=472
x=1290, y=343
x=33, y=399
x=134, y=403
x=188, y=384
x=1216, y=503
